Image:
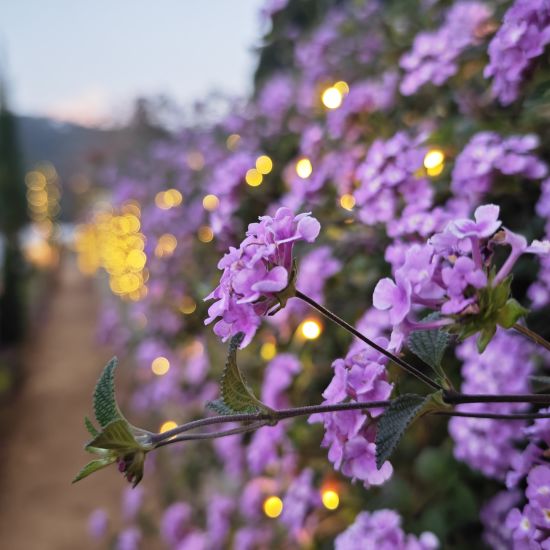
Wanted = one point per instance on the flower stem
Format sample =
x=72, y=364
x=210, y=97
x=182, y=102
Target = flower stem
x=398, y=360
x=537, y=338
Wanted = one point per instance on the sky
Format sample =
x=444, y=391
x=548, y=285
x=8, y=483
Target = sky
x=84, y=60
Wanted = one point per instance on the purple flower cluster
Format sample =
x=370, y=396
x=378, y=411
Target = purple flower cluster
x=389, y=176
x=504, y=367
x=382, y=530
x=488, y=154
x=447, y=273
x=524, y=33
x=350, y=435
x=256, y=272
x=301, y=497
x=434, y=55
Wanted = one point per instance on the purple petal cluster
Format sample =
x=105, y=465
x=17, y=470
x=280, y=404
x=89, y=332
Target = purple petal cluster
x=256, y=272
x=490, y=446
x=434, y=55
x=488, y=154
x=300, y=499
x=350, y=435
x=522, y=37
x=382, y=530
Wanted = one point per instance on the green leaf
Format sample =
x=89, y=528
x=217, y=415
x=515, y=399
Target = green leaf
x=94, y=466
x=90, y=427
x=430, y=345
x=394, y=421
x=510, y=313
x=116, y=436
x=485, y=336
x=235, y=392
x=105, y=405
x=219, y=407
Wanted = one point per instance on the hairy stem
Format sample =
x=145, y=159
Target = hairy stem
x=537, y=338
x=398, y=360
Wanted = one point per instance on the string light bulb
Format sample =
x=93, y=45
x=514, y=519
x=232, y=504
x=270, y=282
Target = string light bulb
x=304, y=168
x=273, y=506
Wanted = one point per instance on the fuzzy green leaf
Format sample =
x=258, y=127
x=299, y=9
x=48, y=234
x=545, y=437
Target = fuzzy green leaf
x=485, y=336
x=116, y=436
x=219, y=407
x=90, y=427
x=105, y=405
x=429, y=345
x=393, y=423
x=511, y=313
x=94, y=466
x=235, y=392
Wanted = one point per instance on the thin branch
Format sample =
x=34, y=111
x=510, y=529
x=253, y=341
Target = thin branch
x=344, y=324
x=496, y=416
x=455, y=398
x=537, y=338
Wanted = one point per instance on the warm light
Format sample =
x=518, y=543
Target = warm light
x=166, y=245
x=342, y=87
x=188, y=305
x=195, y=160
x=232, y=141
x=268, y=351
x=273, y=506
x=160, y=366
x=136, y=260
x=347, y=201
x=264, y=164
x=332, y=98
x=311, y=329
x=167, y=426
x=168, y=199
x=436, y=170
x=433, y=159
x=205, y=234
x=253, y=177
x=304, y=168
x=210, y=202
x=330, y=498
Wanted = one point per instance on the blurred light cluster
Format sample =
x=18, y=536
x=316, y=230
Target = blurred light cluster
x=434, y=162
x=333, y=96
x=114, y=242
x=168, y=199
x=255, y=176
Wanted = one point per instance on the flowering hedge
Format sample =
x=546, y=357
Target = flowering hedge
x=396, y=156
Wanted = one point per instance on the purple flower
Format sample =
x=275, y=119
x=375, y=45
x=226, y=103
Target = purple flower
x=301, y=497
x=457, y=278
x=278, y=376
x=129, y=539
x=175, y=522
x=393, y=296
x=256, y=272
x=524, y=33
x=486, y=223
x=98, y=523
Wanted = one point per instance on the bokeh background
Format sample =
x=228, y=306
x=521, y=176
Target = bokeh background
x=137, y=141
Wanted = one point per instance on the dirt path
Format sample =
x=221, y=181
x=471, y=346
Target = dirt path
x=39, y=508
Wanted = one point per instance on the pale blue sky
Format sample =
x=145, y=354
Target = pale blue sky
x=85, y=59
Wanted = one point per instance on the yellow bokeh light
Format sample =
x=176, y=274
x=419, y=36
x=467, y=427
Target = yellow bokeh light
x=167, y=426
x=232, y=141
x=311, y=329
x=210, y=202
x=347, y=201
x=205, y=234
x=304, y=168
x=332, y=98
x=342, y=87
x=433, y=159
x=188, y=305
x=264, y=164
x=195, y=160
x=168, y=199
x=166, y=245
x=330, y=499
x=273, y=506
x=136, y=260
x=436, y=170
x=253, y=177
x=268, y=351
x=160, y=366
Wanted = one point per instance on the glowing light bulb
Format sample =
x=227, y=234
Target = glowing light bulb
x=253, y=177
x=330, y=499
x=264, y=164
x=160, y=366
x=332, y=98
x=273, y=506
x=210, y=202
x=167, y=426
x=188, y=305
x=434, y=162
x=304, y=168
x=342, y=87
x=347, y=201
x=311, y=329
x=268, y=351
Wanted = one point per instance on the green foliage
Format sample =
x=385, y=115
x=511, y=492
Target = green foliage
x=94, y=466
x=397, y=417
x=105, y=405
x=90, y=427
x=496, y=307
x=237, y=395
x=218, y=406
